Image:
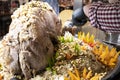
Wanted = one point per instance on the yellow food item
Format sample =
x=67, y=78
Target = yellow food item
x=87, y=75
x=105, y=55
x=96, y=77
x=89, y=39
x=77, y=73
x=84, y=72
x=73, y=76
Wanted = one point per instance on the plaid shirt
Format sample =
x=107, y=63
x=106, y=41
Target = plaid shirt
x=105, y=16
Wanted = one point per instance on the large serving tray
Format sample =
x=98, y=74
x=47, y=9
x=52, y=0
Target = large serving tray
x=115, y=73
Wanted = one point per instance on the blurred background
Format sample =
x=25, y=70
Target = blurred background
x=7, y=7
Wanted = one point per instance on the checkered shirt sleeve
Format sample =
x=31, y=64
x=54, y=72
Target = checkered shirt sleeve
x=105, y=16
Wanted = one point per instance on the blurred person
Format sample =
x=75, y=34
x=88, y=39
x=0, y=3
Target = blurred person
x=104, y=16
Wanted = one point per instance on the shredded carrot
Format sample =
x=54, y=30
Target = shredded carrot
x=1, y=77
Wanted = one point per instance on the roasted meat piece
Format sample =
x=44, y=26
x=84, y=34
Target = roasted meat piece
x=31, y=40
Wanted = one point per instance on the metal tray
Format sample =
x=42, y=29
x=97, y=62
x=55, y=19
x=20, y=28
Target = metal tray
x=116, y=45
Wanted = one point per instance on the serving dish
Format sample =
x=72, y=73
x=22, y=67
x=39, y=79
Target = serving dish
x=68, y=60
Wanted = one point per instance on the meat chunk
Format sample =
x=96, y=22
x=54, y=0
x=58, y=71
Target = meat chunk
x=31, y=40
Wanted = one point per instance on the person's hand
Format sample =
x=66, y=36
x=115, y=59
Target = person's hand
x=79, y=18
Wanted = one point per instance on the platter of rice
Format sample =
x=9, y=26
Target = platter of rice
x=38, y=52
x=80, y=58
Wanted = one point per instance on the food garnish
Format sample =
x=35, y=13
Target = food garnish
x=105, y=55
x=85, y=75
x=87, y=38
